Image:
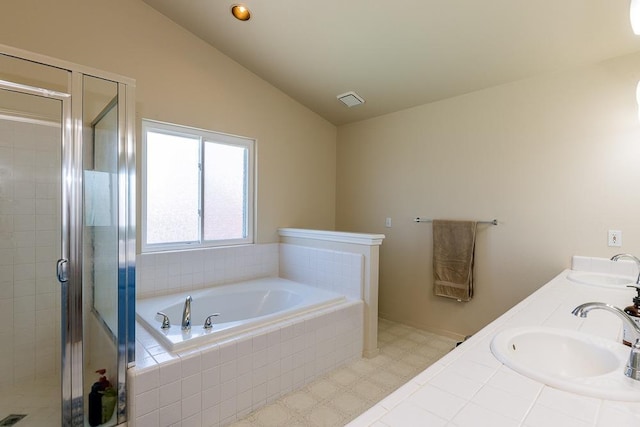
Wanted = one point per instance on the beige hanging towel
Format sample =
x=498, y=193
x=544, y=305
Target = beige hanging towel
x=453, y=247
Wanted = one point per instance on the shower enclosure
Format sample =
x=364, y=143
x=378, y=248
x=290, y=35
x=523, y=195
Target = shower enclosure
x=67, y=242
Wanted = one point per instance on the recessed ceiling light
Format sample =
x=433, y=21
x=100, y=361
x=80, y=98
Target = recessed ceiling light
x=240, y=12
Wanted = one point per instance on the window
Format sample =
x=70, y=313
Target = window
x=197, y=188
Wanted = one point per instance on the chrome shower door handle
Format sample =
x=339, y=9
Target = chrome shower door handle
x=61, y=270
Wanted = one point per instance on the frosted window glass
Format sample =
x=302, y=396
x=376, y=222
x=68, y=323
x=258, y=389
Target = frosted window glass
x=197, y=188
x=225, y=183
x=172, y=188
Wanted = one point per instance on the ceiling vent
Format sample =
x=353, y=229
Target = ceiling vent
x=350, y=99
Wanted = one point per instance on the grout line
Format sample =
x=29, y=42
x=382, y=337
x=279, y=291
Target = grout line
x=381, y=371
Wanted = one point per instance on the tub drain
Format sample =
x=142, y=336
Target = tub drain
x=11, y=419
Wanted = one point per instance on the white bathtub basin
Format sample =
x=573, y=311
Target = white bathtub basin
x=241, y=306
x=568, y=360
x=599, y=279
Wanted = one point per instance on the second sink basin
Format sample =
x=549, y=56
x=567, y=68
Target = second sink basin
x=598, y=279
x=568, y=360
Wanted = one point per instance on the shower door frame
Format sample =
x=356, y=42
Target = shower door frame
x=65, y=138
x=72, y=366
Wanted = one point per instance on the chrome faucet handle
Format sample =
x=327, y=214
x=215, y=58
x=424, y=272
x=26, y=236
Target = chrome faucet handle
x=632, y=370
x=165, y=320
x=207, y=321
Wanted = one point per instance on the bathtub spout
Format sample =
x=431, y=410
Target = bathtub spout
x=186, y=314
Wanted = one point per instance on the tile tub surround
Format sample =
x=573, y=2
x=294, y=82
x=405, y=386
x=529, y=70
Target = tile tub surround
x=163, y=273
x=368, y=245
x=469, y=386
x=336, y=271
x=338, y=397
x=216, y=384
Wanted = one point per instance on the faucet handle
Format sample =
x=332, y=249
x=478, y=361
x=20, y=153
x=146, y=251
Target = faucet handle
x=207, y=321
x=165, y=320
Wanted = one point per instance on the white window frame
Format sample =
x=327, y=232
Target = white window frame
x=203, y=135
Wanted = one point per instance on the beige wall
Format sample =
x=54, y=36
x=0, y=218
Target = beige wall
x=555, y=159
x=180, y=79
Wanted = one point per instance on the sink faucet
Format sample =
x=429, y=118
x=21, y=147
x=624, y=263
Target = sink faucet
x=637, y=261
x=186, y=314
x=632, y=370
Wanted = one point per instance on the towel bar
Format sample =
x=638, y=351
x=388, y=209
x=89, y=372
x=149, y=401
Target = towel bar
x=492, y=222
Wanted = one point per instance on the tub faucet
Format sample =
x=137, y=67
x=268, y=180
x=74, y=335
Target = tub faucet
x=631, y=257
x=632, y=370
x=186, y=314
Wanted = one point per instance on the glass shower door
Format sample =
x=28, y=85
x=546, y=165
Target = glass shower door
x=31, y=135
x=67, y=242
x=100, y=251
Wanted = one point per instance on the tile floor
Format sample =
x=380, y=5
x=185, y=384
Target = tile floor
x=331, y=400
x=342, y=395
x=39, y=399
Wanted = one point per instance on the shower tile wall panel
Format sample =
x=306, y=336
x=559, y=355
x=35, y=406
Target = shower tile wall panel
x=168, y=272
x=341, y=272
x=29, y=248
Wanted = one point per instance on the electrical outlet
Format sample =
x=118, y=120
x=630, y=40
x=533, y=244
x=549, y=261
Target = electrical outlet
x=387, y=222
x=615, y=238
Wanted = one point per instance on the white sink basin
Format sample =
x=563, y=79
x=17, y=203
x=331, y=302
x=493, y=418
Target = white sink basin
x=598, y=279
x=568, y=360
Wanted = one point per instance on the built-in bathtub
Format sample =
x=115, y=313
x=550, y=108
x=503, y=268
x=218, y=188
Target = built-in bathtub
x=239, y=308
x=219, y=376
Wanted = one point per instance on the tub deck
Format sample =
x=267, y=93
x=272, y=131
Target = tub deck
x=218, y=382
x=242, y=307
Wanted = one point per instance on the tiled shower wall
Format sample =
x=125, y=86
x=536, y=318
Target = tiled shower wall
x=29, y=247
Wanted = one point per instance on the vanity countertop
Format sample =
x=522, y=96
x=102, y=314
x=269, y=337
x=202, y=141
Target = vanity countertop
x=470, y=387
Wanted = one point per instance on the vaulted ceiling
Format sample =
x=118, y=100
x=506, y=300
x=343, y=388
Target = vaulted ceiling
x=399, y=54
